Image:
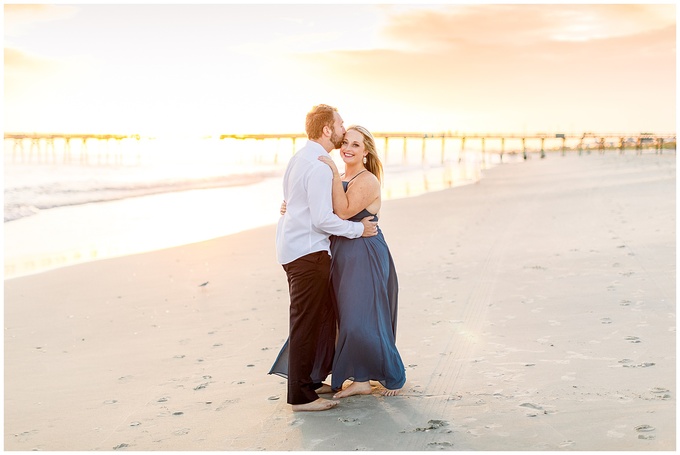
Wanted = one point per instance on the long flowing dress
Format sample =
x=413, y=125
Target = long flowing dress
x=365, y=289
x=365, y=294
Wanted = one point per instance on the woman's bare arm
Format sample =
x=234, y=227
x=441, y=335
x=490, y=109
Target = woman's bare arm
x=361, y=192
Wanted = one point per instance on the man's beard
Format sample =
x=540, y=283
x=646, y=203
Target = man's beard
x=336, y=140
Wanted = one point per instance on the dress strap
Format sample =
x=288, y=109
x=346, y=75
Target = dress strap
x=356, y=175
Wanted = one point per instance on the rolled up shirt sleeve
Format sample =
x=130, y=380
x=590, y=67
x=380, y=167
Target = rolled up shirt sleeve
x=320, y=202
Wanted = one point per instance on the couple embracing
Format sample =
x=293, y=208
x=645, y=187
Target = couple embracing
x=341, y=277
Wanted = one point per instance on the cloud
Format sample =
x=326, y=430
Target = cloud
x=15, y=58
x=22, y=18
x=23, y=71
x=513, y=62
x=518, y=25
x=35, y=87
x=508, y=62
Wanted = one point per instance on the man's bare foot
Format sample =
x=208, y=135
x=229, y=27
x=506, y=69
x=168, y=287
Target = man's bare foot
x=325, y=388
x=391, y=392
x=356, y=388
x=320, y=404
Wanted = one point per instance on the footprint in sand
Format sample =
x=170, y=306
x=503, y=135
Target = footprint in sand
x=349, y=421
x=659, y=390
x=532, y=406
x=24, y=437
x=645, y=431
x=475, y=432
x=181, y=432
x=661, y=393
x=633, y=339
x=226, y=404
x=433, y=424
x=121, y=446
x=606, y=321
x=443, y=445
x=536, y=409
x=640, y=365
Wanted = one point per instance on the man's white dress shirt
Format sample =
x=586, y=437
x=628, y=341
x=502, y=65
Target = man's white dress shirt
x=309, y=219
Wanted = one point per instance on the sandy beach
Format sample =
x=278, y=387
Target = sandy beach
x=537, y=312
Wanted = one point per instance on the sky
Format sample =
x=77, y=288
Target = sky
x=163, y=69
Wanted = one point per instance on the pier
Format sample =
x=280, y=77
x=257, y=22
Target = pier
x=40, y=147
x=583, y=142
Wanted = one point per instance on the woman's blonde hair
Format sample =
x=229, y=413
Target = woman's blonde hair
x=373, y=163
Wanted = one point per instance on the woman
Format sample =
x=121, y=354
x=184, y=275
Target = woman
x=363, y=279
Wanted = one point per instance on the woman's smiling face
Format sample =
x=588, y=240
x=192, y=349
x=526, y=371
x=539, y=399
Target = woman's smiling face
x=353, y=149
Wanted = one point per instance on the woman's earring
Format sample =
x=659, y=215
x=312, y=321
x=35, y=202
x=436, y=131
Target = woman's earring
x=365, y=159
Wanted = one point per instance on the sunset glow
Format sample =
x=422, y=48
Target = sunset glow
x=213, y=69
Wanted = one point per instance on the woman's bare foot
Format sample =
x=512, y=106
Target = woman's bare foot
x=320, y=404
x=325, y=388
x=391, y=392
x=356, y=388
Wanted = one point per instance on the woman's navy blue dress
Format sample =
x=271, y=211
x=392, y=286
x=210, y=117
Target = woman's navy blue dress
x=365, y=290
x=365, y=293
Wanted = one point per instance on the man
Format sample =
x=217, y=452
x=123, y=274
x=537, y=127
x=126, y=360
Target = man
x=303, y=249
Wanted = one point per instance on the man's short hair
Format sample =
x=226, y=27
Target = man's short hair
x=320, y=116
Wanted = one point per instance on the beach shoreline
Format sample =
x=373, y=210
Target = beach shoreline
x=537, y=312
x=181, y=214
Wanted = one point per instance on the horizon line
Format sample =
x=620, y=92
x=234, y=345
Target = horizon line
x=381, y=134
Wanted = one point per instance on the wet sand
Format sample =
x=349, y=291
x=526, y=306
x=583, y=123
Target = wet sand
x=537, y=312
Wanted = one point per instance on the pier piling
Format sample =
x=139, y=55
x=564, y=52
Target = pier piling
x=41, y=148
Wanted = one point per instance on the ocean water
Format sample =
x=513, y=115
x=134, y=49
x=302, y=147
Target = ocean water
x=110, y=198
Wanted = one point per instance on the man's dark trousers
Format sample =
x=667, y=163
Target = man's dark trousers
x=311, y=310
